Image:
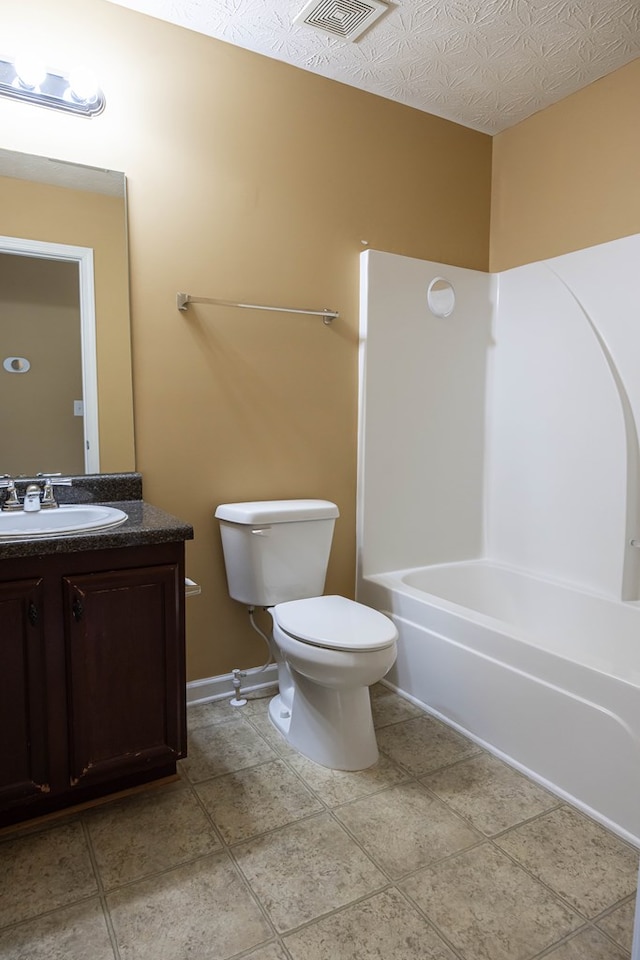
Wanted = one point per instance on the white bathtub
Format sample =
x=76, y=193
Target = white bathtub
x=542, y=674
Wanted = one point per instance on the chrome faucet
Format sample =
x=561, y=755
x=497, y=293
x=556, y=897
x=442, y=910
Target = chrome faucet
x=43, y=483
x=31, y=502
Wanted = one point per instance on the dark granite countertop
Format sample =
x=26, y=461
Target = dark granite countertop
x=144, y=525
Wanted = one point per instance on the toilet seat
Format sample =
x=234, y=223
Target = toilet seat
x=335, y=623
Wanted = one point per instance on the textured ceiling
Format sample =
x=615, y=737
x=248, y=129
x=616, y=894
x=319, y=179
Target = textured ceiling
x=486, y=64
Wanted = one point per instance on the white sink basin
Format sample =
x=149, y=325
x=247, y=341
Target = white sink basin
x=58, y=522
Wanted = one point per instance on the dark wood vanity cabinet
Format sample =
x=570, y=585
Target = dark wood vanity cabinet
x=23, y=725
x=92, y=676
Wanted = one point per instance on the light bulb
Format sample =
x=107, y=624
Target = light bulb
x=30, y=71
x=83, y=87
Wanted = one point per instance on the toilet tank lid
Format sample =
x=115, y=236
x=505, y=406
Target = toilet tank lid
x=276, y=511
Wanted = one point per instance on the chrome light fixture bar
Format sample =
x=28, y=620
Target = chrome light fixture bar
x=49, y=89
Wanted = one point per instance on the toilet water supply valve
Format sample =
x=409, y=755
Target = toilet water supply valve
x=237, y=700
x=237, y=675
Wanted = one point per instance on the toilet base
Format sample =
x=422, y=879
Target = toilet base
x=279, y=716
x=331, y=727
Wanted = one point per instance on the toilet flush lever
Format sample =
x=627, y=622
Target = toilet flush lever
x=261, y=531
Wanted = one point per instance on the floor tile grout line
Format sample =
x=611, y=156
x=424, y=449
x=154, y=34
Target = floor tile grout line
x=101, y=889
x=29, y=828
x=442, y=934
x=559, y=943
x=534, y=876
x=630, y=898
x=321, y=813
x=234, y=844
x=416, y=779
x=575, y=933
x=255, y=896
x=198, y=799
x=484, y=752
x=330, y=811
x=342, y=908
x=471, y=846
x=265, y=763
x=250, y=951
x=567, y=805
x=326, y=807
x=459, y=953
x=343, y=803
x=163, y=871
x=480, y=838
x=519, y=823
x=223, y=851
x=48, y=913
x=427, y=773
x=529, y=820
x=604, y=933
x=541, y=816
x=465, y=821
x=461, y=851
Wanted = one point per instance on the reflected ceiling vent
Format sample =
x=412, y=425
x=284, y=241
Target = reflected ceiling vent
x=347, y=19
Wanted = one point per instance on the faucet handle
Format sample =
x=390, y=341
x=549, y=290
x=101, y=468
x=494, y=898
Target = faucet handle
x=11, y=501
x=51, y=481
x=55, y=479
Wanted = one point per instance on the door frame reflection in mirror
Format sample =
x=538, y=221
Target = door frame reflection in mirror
x=83, y=256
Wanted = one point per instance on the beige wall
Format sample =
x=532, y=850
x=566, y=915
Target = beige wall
x=38, y=211
x=248, y=179
x=569, y=177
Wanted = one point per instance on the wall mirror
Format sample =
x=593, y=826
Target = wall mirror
x=65, y=344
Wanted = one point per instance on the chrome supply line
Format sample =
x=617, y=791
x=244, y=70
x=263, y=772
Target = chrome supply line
x=184, y=299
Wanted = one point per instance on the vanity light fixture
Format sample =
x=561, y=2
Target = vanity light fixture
x=31, y=82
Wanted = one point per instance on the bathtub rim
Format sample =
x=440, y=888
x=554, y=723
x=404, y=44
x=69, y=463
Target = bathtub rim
x=393, y=580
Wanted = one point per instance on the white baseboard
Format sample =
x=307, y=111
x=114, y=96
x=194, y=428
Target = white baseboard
x=217, y=688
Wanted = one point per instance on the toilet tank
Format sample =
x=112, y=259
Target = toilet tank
x=276, y=550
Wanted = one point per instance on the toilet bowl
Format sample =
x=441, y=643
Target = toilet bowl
x=334, y=649
x=328, y=649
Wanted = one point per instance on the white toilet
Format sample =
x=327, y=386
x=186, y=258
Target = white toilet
x=328, y=649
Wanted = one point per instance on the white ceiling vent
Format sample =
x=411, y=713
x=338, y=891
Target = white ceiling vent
x=347, y=19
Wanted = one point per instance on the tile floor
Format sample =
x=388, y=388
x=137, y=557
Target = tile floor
x=438, y=852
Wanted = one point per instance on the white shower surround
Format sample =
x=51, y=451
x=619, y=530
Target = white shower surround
x=507, y=433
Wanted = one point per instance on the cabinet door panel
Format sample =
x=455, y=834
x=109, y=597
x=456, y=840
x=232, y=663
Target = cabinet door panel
x=23, y=733
x=122, y=668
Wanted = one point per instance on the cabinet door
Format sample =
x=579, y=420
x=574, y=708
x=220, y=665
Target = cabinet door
x=23, y=733
x=125, y=676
